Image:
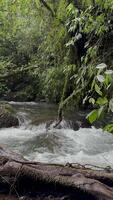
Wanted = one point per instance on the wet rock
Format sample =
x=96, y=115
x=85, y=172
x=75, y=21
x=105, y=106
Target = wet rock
x=68, y=123
x=7, y=116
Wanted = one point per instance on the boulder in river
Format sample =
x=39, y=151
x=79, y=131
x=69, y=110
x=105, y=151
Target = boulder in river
x=7, y=116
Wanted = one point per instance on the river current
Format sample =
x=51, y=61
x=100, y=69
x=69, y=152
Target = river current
x=32, y=138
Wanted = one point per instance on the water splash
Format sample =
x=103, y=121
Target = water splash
x=36, y=142
x=24, y=120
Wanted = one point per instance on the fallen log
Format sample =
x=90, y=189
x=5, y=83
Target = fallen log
x=72, y=181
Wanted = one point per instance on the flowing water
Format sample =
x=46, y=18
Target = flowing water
x=37, y=142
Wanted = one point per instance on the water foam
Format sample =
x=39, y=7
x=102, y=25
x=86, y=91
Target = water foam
x=85, y=146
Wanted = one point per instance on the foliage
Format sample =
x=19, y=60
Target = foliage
x=49, y=51
x=95, y=23
x=32, y=42
x=102, y=84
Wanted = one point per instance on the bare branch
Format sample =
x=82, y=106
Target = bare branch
x=48, y=7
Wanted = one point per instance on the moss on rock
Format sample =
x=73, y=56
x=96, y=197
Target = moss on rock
x=7, y=116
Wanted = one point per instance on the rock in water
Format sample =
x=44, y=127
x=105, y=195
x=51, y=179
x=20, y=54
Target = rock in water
x=7, y=116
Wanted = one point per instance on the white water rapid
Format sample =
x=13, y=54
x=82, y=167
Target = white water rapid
x=35, y=142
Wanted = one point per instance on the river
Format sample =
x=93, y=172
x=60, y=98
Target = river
x=38, y=143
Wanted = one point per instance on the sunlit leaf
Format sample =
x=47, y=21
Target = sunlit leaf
x=100, y=78
x=92, y=100
x=109, y=72
x=97, y=89
x=100, y=112
x=102, y=101
x=101, y=66
x=93, y=116
x=71, y=42
x=108, y=128
x=107, y=80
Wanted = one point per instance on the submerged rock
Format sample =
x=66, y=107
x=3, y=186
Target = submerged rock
x=7, y=116
x=71, y=124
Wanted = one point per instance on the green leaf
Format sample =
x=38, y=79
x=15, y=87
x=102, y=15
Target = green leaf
x=92, y=100
x=101, y=66
x=100, y=112
x=100, y=78
x=71, y=42
x=109, y=72
x=97, y=89
x=107, y=80
x=92, y=116
x=102, y=101
x=93, y=84
x=108, y=128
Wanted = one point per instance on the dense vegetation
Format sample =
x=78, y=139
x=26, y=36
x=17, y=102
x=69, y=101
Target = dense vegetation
x=58, y=51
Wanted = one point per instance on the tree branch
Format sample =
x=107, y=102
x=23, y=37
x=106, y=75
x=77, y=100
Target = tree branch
x=48, y=7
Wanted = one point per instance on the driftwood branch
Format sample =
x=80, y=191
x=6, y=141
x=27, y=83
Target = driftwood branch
x=74, y=180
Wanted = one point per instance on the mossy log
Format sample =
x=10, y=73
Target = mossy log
x=72, y=181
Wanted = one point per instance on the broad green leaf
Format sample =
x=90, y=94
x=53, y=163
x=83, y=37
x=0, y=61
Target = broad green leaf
x=108, y=128
x=100, y=112
x=100, y=78
x=97, y=89
x=101, y=66
x=107, y=79
x=92, y=116
x=102, y=101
